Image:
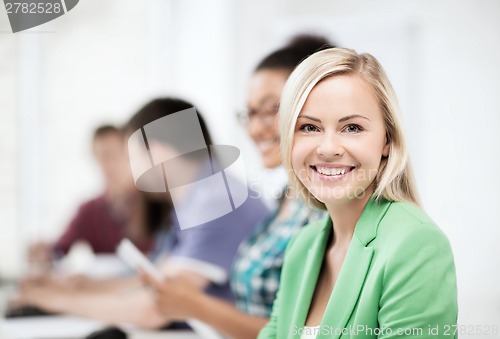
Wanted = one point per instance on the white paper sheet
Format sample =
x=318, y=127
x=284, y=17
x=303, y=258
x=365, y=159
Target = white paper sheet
x=70, y=327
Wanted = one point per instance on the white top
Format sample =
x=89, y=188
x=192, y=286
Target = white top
x=310, y=332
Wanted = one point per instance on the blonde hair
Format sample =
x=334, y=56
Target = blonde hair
x=394, y=180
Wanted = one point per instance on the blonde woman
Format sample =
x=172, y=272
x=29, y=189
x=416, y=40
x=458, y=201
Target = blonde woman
x=377, y=266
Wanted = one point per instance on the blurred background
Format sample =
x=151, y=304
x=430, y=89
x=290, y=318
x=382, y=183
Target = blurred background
x=103, y=60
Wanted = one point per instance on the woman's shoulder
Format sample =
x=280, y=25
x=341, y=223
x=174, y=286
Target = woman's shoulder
x=405, y=222
x=411, y=250
x=405, y=216
x=408, y=212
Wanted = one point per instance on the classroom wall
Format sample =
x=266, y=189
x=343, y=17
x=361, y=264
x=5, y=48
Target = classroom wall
x=104, y=59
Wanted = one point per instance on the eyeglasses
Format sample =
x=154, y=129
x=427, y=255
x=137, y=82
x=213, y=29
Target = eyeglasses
x=266, y=114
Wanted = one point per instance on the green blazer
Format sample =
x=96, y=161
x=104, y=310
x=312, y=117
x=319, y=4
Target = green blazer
x=398, y=279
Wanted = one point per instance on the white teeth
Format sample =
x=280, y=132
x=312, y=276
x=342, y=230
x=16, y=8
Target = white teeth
x=332, y=171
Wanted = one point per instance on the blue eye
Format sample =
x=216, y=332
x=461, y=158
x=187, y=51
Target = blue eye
x=308, y=128
x=353, y=129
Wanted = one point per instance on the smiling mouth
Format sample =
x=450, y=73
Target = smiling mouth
x=333, y=172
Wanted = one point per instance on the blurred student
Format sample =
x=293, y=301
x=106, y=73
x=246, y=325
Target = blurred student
x=256, y=271
x=114, y=214
x=201, y=256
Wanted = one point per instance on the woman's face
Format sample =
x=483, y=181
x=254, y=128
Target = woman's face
x=263, y=100
x=339, y=140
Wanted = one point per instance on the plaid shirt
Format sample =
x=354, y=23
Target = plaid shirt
x=257, y=268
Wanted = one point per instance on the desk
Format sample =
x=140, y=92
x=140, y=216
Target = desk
x=71, y=327
x=138, y=334
x=68, y=327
